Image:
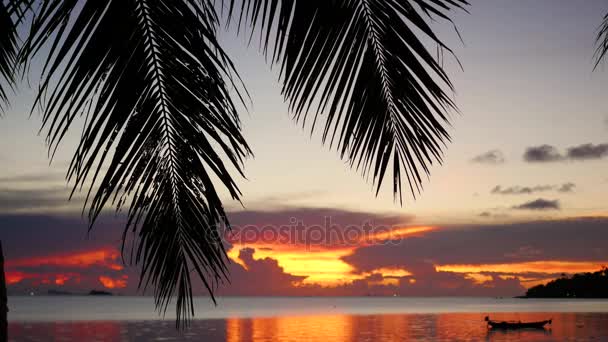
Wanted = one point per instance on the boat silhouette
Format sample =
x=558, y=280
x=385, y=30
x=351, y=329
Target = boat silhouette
x=516, y=325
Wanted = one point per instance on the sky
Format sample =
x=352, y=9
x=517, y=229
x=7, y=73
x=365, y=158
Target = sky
x=519, y=199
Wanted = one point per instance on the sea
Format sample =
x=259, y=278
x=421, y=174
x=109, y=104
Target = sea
x=326, y=319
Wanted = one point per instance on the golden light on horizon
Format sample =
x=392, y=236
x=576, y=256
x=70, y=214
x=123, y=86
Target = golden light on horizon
x=479, y=278
x=518, y=270
x=323, y=265
x=320, y=266
x=550, y=266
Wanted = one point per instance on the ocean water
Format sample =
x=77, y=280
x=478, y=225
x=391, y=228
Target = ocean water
x=73, y=318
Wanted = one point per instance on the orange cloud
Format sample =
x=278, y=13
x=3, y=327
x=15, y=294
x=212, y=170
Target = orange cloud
x=13, y=277
x=520, y=270
x=112, y=283
x=105, y=257
x=60, y=279
x=550, y=266
x=324, y=265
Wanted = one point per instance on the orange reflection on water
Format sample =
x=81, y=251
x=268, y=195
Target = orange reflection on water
x=305, y=328
x=325, y=328
x=432, y=327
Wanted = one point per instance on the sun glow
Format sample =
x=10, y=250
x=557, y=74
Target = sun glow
x=323, y=265
x=320, y=266
x=111, y=283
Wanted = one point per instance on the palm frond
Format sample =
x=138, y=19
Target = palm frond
x=362, y=64
x=8, y=49
x=151, y=79
x=602, y=42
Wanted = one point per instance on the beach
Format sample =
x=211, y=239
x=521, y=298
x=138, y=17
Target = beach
x=305, y=319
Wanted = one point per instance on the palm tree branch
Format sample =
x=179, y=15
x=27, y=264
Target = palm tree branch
x=383, y=94
x=601, y=41
x=159, y=119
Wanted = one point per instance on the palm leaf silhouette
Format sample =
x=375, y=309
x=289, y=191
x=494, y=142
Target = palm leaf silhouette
x=602, y=42
x=151, y=79
x=9, y=16
x=153, y=84
x=362, y=65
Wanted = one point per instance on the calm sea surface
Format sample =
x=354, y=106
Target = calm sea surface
x=74, y=318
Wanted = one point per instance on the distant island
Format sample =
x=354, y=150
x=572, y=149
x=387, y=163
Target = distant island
x=99, y=293
x=580, y=285
x=59, y=293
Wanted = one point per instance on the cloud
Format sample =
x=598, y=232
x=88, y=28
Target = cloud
x=494, y=157
x=518, y=190
x=262, y=277
x=313, y=216
x=43, y=177
x=489, y=214
x=320, y=227
x=539, y=204
x=528, y=190
x=60, y=241
x=588, y=152
x=566, y=187
x=542, y=154
x=548, y=153
x=569, y=239
x=40, y=200
x=494, y=252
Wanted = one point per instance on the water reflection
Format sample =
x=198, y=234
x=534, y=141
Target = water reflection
x=519, y=335
x=326, y=328
x=441, y=327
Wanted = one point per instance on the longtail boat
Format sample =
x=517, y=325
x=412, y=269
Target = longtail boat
x=516, y=325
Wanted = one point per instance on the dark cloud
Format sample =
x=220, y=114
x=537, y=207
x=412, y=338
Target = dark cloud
x=539, y=204
x=40, y=235
x=313, y=216
x=36, y=192
x=566, y=187
x=548, y=153
x=17, y=200
x=542, y=154
x=572, y=240
x=489, y=214
x=518, y=190
x=262, y=277
x=528, y=190
x=322, y=227
x=588, y=152
x=494, y=157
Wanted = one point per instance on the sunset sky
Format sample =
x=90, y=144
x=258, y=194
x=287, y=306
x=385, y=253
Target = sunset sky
x=519, y=200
